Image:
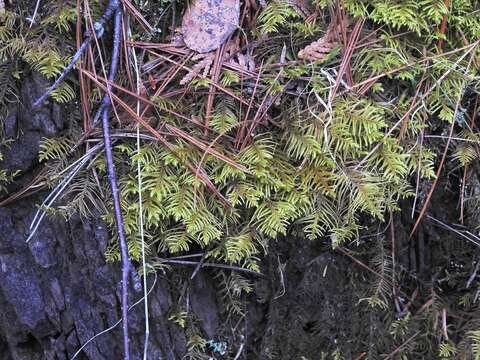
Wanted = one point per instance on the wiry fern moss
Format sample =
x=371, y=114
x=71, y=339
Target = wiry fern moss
x=307, y=176
x=47, y=55
x=317, y=165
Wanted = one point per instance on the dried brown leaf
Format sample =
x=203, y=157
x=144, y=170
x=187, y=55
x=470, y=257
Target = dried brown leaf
x=319, y=50
x=202, y=67
x=302, y=7
x=233, y=56
x=208, y=23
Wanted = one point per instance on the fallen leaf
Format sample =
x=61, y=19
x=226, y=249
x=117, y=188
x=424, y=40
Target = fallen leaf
x=319, y=50
x=233, y=56
x=302, y=7
x=204, y=65
x=208, y=23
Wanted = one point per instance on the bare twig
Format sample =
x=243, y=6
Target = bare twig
x=99, y=25
x=442, y=161
x=136, y=66
x=113, y=9
x=206, y=264
x=472, y=238
x=32, y=19
x=473, y=275
x=240, y=348
x=398, y=349
x=443, y=26
x=118, y=322
x=444, y=323
x=113, y=178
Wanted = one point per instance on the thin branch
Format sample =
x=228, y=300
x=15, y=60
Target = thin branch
x=472, y=238
x=240, y=348
x=99, y=27
x=32, y=19
x=118, y=322
x=136, y=66
x=215, y=265
x=113, y=9
x=398, y=349
x=112, y=177
x=444, y=156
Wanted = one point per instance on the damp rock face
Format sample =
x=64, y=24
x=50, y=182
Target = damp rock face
x=24, y=128
x=208, y=23
x=57, y=291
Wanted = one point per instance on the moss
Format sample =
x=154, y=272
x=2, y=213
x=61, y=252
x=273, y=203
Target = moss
x=290, y=147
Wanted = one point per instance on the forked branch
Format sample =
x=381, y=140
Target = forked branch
x=113, y=9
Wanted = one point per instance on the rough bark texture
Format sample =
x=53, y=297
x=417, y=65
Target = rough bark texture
x=57, y=291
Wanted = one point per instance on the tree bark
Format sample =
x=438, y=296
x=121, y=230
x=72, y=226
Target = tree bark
x=57, y=291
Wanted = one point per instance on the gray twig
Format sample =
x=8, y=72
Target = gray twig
x=112, y=176
x=113, y=9
x=206, y=264
x=99, y=27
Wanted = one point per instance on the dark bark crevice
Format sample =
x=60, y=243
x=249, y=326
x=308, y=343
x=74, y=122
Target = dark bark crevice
x=57, y=291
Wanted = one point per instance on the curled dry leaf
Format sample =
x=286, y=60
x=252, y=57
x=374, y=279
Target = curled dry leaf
x=203, y=66
x=318, y=50
x=302, y=7
x=208, y=23
x=233, y=56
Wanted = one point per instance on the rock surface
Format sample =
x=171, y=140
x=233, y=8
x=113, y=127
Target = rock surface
x=57, y=291
x=207, y=24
